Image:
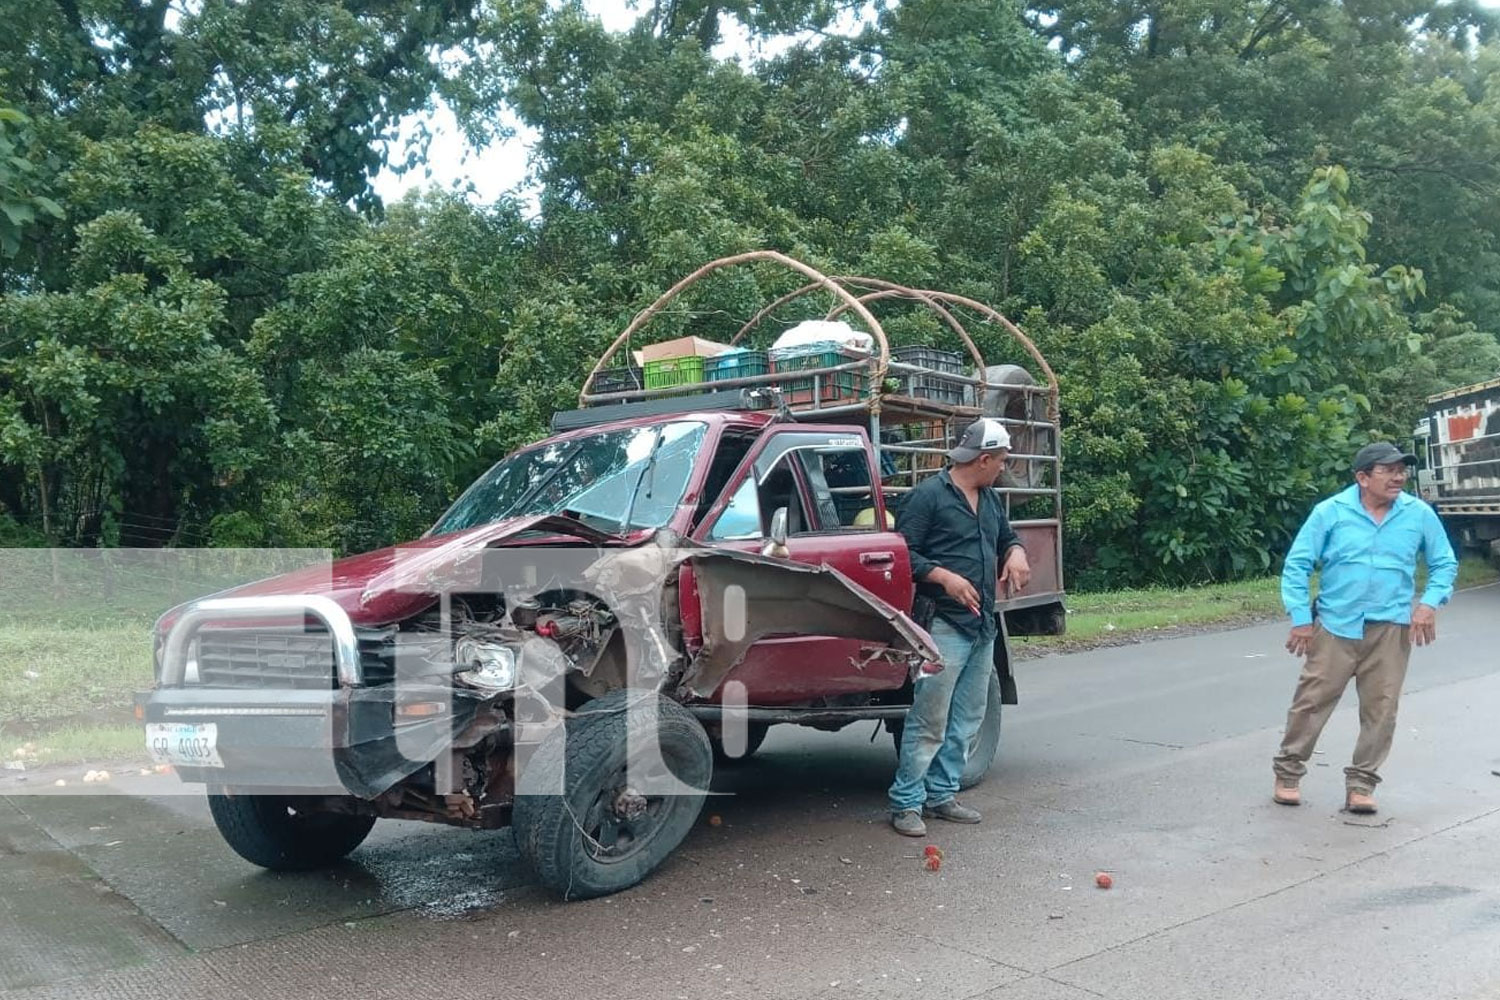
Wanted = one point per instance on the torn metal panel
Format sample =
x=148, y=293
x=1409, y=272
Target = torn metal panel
x=632, y=582
x=781, y=597
x=378, y=755
x=787, y=598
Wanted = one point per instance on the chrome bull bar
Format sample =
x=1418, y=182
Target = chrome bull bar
x=195, y=614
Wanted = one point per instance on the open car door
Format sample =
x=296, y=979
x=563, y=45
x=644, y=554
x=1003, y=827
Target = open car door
x=835, y=517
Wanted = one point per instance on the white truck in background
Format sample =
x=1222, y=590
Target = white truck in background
x=1457, y=444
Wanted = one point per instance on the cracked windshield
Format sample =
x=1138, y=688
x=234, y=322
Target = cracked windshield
x=615, y=480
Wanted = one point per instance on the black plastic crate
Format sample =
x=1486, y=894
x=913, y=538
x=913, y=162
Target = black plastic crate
x=938, y=383
x=921, y=385
x=947, y=362
x=630, y=379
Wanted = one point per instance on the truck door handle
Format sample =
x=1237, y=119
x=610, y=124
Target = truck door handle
x=877, y=558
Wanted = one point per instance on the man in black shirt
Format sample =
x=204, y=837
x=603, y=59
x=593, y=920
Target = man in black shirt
x=955, y=526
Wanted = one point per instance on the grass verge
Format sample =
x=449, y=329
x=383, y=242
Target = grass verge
x=57, y=671
x=66, y=689
x=78, y=743
x=1118, y=614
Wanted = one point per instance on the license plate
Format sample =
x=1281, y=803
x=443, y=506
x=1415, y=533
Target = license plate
x=184, y=744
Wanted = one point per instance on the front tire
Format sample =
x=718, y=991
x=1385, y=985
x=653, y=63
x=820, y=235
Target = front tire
x=985, y=744
x=274, y=832
x=602, y=834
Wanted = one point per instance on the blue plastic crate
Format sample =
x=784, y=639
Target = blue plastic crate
x=736, y=364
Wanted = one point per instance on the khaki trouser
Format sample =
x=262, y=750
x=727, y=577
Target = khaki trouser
x=1377, y=663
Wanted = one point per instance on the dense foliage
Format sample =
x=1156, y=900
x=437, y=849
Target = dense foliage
x=1249, y=235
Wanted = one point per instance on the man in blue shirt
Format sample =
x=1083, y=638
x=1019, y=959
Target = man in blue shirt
x=962, y=547
x=1366, y=539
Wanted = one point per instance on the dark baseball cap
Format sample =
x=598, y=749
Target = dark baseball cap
x=1380, y=453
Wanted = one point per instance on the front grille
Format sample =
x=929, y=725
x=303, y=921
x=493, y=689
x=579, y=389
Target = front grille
x=286, y=658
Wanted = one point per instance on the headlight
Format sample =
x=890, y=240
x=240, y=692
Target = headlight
x=489, y=666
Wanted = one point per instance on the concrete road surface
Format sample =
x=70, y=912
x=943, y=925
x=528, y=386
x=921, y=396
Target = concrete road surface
x=1151, y=761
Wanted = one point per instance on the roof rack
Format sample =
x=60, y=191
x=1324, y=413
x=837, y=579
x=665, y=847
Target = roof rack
x=914, y=402
x=727, y=399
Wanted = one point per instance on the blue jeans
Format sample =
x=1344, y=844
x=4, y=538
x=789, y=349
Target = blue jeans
x=945, y=714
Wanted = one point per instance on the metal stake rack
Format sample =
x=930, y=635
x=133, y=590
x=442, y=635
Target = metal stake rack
x=911, y=432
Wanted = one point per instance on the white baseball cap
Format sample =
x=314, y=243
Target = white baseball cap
x=984, y=434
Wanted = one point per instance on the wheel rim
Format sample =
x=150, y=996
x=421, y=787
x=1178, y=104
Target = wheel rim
x=621, y=821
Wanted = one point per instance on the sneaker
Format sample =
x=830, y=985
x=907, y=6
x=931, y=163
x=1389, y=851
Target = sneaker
x=1359, y=802
x=953, y=812
x=1287, y=793
x=908, y=823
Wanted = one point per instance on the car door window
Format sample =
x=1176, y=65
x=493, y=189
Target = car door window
x=732, y=449
x=824, y=481
x=748, y=514
x=741, y=519
x=781, y=486
x=842, y=487
x=835, y=469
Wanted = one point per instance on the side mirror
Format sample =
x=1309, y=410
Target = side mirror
x=775, y=545
x=778, y=526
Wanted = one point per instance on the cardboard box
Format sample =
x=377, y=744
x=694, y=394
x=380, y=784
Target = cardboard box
x=682, y=347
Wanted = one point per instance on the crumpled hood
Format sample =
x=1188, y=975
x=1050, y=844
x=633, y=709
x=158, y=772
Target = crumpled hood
x=394, y=583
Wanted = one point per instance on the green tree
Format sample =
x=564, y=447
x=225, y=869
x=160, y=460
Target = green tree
x=22, y=186
x=117, y=396
x=341, y=75
x=1402, y=94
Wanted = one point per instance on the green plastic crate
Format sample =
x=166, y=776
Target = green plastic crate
x=665, y=373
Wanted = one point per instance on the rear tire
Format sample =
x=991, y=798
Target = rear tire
x=755, y=735
x=602, y=835
x=272, y=832
x=985, y=744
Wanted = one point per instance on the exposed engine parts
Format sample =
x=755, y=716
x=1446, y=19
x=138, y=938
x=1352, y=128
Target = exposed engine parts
x=524, y=612
x=581, y=619
x=488, y=651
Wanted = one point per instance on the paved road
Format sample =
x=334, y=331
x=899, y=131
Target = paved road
x=1149, y=760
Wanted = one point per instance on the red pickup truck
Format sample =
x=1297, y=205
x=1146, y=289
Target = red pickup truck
x=593, y=624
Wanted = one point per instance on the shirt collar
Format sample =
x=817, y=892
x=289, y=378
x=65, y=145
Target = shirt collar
x=1349, y=496
x=948, y=481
